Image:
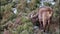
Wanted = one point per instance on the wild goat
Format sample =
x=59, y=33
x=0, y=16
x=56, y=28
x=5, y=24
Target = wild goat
x=44, y=15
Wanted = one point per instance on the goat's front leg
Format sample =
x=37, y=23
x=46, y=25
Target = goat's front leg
x=44, y=19
x=48, y=25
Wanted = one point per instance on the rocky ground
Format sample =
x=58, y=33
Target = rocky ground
x=54, y=29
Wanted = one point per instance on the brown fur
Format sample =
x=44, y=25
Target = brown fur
x=45, y=13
